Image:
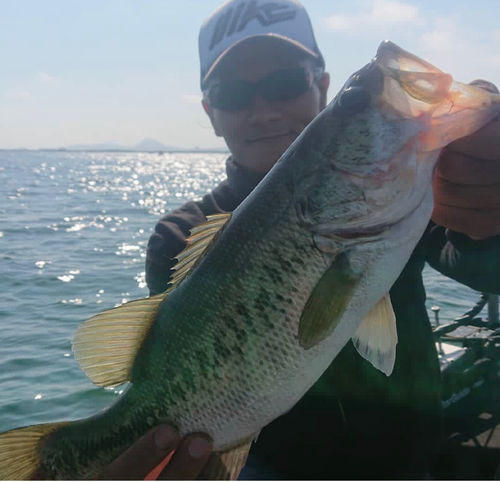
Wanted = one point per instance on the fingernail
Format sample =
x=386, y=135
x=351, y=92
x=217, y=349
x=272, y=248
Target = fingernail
x=165, y=436
x=198, y=447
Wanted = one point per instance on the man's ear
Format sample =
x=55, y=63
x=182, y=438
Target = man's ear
x=323, y=84
x=210, y=112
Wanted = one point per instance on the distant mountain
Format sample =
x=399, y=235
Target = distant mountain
x=146, y=145
x=152, y=145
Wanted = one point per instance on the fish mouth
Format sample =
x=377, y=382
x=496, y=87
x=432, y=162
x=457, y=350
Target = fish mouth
x=425, y=86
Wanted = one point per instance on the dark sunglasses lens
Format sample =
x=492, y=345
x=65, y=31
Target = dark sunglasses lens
x=231, y=96
x=284, y=85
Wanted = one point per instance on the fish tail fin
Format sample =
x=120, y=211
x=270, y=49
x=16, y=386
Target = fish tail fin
x=20, y=451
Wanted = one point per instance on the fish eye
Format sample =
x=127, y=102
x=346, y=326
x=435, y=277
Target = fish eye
x=354, y=99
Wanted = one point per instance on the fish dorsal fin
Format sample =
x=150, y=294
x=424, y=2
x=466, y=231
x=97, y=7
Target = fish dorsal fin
x=377, y=336
x=199, y=243
x=105, y=346
x=327, y=302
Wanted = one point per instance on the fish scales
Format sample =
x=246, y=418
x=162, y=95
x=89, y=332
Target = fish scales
x=251, y=306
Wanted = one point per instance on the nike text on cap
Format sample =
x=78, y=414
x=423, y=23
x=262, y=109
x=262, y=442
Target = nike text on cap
x=237, y=20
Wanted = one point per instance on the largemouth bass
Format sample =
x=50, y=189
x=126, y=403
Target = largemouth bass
x=264, y=299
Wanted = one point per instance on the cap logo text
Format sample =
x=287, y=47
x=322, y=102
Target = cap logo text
x=236, y=19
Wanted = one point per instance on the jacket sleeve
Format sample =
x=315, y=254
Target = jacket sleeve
x=473, y=263
x=167, y=241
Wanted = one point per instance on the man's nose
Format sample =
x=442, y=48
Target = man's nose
x=263, y=111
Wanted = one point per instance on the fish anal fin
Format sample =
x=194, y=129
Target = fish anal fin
x=327, y=303
x=105, y=346
x=227, y=465
x=376, y=338
x=202, y=238
x=20, y=451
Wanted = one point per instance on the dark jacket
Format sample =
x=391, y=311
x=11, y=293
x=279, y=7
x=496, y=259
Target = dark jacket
x=354, y=422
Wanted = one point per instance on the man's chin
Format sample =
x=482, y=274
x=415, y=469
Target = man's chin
x=260, y=163
x=262, y=156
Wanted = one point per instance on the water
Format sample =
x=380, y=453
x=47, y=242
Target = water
x=73, y=234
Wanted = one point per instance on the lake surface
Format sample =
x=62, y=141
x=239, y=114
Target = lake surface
x=73, y=234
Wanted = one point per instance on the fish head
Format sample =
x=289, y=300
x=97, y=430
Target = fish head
x=373, y=150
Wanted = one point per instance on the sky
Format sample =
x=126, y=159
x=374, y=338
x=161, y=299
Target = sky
x=119, y=71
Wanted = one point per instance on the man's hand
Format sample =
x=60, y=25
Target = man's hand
x=191, y=455
x=467, y=182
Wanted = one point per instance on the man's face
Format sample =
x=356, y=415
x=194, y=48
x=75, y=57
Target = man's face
x=261, y=132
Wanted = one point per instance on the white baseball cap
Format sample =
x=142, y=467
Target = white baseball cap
x=239, y=20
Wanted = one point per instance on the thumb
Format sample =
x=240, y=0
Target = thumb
x=144, y=455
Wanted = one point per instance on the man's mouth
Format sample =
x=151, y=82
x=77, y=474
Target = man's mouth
x=262, y=138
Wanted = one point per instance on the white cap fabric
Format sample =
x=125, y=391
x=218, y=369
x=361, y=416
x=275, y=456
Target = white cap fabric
x=238, y=20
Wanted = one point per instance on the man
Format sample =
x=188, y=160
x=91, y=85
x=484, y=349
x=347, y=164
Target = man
x=263, y=80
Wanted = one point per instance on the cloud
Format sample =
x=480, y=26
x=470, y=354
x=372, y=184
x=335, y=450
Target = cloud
x=191, y=98
x=339, y=23
x=443, y=37
x=383, y=13
x=392, y=11
x=22, y=94
x=454, y=46
x=44, y=77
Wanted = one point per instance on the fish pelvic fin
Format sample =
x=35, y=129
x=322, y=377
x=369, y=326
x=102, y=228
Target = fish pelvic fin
x=20, y=451
x=327, y=303
x=202, y=238
x=105, y=346
x=227, y=465
x=377, y=336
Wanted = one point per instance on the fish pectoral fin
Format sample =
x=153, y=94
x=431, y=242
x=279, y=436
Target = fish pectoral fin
x=202, y=238
x=377, y=336
x=227, y=465
x=20, y=451
x=105, y=346
x=327, y=302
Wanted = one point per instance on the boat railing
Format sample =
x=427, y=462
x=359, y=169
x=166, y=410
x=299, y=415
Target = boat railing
x=469, y=318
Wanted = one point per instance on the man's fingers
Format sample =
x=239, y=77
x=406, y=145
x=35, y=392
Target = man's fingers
x=189, y=459
x=483, y=144
x=466, y=196
x=477, y=224
x=142, y=457
x=461, y=169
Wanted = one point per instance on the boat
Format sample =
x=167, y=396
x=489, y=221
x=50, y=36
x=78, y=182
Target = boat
x=469, y=356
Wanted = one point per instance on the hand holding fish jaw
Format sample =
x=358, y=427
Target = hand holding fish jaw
x=190, y=457
x=467, y=182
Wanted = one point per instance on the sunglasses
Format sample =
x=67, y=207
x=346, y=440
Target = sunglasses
x=278, y=86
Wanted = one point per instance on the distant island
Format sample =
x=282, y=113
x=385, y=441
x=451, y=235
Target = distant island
x=146, y=145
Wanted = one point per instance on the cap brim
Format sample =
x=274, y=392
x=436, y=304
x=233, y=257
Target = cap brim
x=281, y=38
